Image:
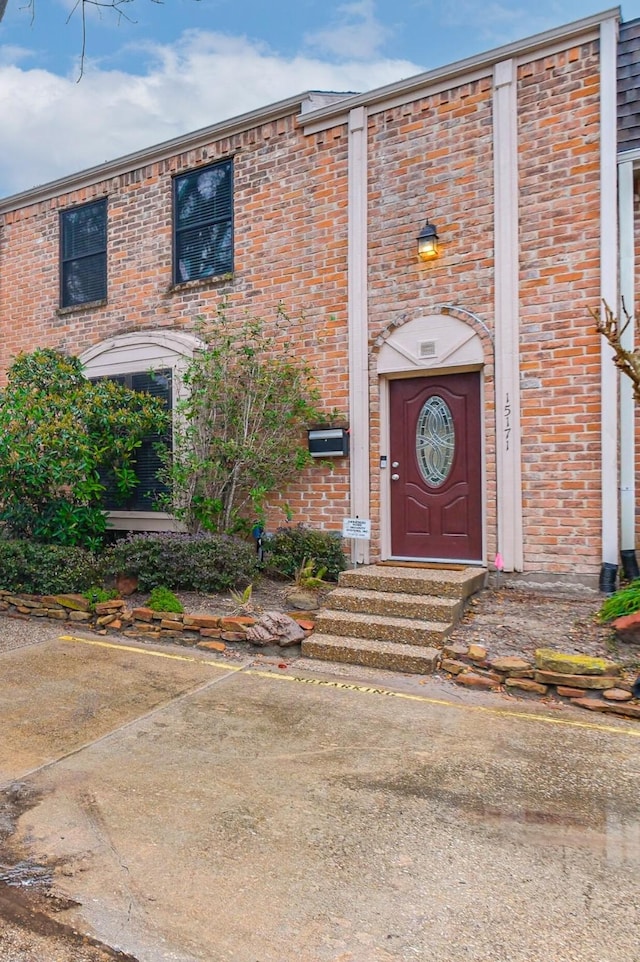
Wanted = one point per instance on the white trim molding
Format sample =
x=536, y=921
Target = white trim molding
x=507, y=324
x=609, y=286
x=627, y=404
x=358, y=325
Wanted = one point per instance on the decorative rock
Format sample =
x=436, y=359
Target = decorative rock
x=569, y=692
x=56, y=613
x=477, y=653
x=526, y=684
x=472, y=680
x=105, y=607
x=455, y=651
x=275, y=627
x=142, y=614
x=39, y=612
x=75, y=602
x=627, y=628
x=201, y=621
x=104, y=620
x=210, y=632
x=563, y=664
x=170, y=625
x=211, y=645
x=510, y=665
x=233, y=636
x=80, y=616
x=596, y=682
x=116, y=625
x=237, y=622
x=305, y=624
x=452, y=666
x=592, y=704
x=617, y=694
x=126, y=585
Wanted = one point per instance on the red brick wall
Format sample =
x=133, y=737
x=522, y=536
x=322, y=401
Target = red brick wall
x=430, y=158
x=290, y=202
x=559, y=174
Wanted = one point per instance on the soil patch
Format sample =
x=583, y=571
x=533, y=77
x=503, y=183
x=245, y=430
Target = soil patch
x=512, y=621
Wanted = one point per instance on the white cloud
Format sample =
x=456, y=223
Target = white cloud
x=52, y=125
x=355, y=32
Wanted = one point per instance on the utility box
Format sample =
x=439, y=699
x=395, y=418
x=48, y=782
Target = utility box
x=329, y=443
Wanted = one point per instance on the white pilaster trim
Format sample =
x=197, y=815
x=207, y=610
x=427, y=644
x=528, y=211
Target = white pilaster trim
x=358, y=324
x=627, y=404
x=609, y=287
x=507, y=327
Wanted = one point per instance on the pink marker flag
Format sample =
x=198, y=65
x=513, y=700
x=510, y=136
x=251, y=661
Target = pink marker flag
x=499, y=563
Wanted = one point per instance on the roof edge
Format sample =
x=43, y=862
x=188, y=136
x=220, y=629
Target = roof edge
x=479, y=61
x=167, y=148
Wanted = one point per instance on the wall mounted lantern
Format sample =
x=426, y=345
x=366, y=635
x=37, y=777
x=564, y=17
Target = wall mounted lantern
x=428, y=242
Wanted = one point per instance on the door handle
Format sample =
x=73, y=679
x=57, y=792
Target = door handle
x=395, y=477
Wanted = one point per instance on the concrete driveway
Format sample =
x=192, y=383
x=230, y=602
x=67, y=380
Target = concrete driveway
x=191, y=810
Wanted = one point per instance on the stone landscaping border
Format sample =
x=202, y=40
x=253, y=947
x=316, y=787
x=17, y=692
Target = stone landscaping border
x=596, y=684
x=209, y=632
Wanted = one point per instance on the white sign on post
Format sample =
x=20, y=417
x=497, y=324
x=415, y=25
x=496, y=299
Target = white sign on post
x=358, y=528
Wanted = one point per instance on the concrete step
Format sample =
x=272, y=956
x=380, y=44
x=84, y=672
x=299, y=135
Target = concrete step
x=435, y=582
x=396, y=604
x=406, y=631
x=373, y=654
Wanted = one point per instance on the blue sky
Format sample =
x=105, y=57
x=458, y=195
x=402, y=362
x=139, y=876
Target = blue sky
x=183, y=64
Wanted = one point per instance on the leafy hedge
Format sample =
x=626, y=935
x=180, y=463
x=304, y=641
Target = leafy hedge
x=47, y=568
x=191, y=562
x=289, y=548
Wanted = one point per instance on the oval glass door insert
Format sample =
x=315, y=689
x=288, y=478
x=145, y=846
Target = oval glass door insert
x=435, y=441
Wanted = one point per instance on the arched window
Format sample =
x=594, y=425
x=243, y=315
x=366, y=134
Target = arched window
x=153, y=362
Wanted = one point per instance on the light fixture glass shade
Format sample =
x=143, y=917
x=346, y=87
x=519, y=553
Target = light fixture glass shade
x=428, y=242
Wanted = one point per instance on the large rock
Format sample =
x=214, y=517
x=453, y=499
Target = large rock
x=627, y=628
x=274, y=627
x=564, y=664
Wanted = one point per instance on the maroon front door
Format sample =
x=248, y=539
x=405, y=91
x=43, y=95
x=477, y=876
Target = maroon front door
x=435, y=467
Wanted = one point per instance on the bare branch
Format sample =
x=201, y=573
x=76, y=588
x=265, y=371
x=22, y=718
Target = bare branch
x=612, y=329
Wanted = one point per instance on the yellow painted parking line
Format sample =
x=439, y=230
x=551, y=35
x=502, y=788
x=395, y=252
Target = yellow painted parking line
x=149, y=651
x=504, y=712
x=369, y=690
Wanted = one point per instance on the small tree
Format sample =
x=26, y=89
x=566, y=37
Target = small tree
x=610, y=326
x=63, y=439
x=238, y=436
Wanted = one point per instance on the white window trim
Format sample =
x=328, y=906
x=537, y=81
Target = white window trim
x=131, y=354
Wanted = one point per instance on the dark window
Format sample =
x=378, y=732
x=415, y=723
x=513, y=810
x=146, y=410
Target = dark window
x=83, y=254
x=203, y=223
x=147, y=463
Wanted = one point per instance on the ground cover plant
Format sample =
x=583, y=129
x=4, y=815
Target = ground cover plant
x=161, y=599
x=626, y=601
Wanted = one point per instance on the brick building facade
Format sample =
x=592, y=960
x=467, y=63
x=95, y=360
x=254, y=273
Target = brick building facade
x=482, y=407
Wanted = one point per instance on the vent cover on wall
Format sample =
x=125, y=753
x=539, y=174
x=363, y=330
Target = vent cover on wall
x=427, y=349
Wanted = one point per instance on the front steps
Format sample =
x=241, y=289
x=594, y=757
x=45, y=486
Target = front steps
x=393, y=617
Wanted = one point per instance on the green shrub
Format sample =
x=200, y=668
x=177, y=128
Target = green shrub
x=290, y=549
x=44, y=569
x=95, y=595
x=188, y=562
x=623, y=602
x=164, y=600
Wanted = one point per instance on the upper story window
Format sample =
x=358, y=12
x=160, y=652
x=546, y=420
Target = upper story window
x=203, y=223
x=83, y=254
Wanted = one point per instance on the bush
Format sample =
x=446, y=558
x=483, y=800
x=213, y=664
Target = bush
x=96, y=595
x=47, y=569
x=623, y=602
x=164, y=600
x=191, y=562
x=289, y=549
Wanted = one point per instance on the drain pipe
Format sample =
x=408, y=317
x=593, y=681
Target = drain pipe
x=630, y=569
